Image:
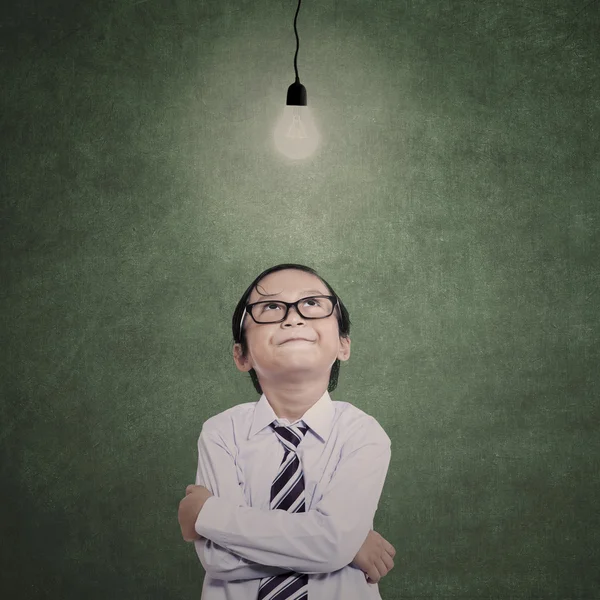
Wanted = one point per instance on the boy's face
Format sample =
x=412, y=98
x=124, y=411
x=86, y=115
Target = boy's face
x=269, y=355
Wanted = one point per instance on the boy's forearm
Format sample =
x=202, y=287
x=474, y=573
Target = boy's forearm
x=224, y=563
x=220, y=563
x=310, y=542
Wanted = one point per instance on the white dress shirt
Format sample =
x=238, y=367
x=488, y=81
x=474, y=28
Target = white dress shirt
x=344, y=455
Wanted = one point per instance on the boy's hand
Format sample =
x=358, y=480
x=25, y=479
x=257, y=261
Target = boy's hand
x=375, y=557
x=189, y=508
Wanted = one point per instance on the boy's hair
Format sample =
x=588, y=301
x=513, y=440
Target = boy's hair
x=239, y=337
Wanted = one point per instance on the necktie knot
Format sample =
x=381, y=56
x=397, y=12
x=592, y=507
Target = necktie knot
x=290, y=435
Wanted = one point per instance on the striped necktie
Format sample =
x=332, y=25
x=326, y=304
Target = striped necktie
x=287, y=493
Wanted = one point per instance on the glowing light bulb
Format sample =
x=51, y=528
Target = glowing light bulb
x=296, y=135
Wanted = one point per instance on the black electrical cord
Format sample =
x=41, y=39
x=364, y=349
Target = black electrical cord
x=297, y=41
x=296, y=94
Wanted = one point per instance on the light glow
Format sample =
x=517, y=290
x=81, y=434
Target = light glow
x=296, y=135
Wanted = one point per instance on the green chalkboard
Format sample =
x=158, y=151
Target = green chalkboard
x=452, y=203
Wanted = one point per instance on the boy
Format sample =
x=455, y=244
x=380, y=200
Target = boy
x=287, y=487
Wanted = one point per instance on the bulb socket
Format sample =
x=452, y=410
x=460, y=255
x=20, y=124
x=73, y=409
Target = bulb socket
x=296, y=94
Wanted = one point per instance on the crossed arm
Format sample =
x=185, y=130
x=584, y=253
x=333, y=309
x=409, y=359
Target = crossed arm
x=243, y=542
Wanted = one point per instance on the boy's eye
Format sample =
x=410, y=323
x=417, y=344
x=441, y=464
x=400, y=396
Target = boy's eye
x=272, y=304
x=309, y=301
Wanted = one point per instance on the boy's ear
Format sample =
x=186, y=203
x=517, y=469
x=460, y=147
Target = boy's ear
x=243, y=364
x=344, y=353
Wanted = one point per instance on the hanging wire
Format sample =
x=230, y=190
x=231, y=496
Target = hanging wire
x=297, y=41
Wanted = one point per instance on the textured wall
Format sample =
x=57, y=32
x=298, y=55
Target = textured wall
x=453, y=205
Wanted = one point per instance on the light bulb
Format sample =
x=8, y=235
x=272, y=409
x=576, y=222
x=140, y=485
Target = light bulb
x=295, y=135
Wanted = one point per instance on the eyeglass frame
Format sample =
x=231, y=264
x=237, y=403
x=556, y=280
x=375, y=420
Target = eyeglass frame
x=288, y=305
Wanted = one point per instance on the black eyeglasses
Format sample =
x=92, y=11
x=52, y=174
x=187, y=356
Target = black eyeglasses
x=275, y=311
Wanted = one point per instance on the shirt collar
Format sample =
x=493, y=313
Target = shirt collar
x=319, y=417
